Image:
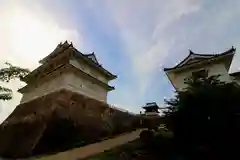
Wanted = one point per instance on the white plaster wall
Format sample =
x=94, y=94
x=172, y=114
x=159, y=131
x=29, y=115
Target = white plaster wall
x=50, y=86
x=213, y=69
x=81, y=85
x=68, y=81
x=86, y=68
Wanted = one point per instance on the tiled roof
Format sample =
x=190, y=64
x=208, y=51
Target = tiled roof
x=152, y=104
x=193, y=58
x=92, y=56
x=62, y=47
x=234, y=74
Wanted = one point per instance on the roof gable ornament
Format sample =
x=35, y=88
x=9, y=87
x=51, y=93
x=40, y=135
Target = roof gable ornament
x=71, y=45
x=65, y=44
x=59, y=45
x=93, y=57
x=190, y=52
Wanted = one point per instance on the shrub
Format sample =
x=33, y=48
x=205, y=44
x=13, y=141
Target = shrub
x=205, y=114
x=146, y=137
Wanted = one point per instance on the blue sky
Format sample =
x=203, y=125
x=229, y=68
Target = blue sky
x=134, y=39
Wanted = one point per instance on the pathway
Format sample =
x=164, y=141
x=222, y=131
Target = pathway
x=93, y=149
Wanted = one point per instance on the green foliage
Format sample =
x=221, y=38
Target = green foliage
x=205, y=114
x=6, y=74
x=146, y=136
x=5, y=93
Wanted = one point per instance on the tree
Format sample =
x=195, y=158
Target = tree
x=8, y=73
x=206, y=113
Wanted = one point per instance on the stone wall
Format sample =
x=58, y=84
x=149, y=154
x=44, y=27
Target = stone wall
x=92, y=119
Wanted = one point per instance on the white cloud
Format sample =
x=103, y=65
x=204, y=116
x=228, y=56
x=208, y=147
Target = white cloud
x=143, y=27
x=27, y=35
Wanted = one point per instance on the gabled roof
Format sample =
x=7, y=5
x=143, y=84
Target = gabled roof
x=151, y=105
x=93, y=57
x=193, y=58
x=89, y=58
x=61, y=47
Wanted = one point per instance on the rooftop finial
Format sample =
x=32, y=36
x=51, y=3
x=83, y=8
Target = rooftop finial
x=59, y=45
x=190, y=51
x=65, y=44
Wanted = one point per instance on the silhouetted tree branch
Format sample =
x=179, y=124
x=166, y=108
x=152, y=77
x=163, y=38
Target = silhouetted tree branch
x=8, y=73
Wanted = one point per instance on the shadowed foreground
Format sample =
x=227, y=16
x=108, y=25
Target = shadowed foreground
x=94, y=149
x=61, y=121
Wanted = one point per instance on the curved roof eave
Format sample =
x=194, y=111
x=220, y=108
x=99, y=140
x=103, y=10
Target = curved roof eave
x=230, y=51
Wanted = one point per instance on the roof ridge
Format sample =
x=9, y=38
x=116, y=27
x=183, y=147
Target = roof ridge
x=220, y=53
x=61, y=47
x=89, y=54
x=231, y=50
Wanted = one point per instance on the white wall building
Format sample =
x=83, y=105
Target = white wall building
x=203, y=64
x=67, y=68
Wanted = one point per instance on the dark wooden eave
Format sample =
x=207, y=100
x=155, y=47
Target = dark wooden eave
x=151, y=105
x=201, y=58
x=93, y=57
x=69, y=67
x=235, y=74
x=145, y=107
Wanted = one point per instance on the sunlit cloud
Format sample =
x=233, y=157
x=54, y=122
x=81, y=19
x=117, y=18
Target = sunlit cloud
x=27, y=35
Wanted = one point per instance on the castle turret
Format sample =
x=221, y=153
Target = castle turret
x=67, y=68
x=151, y=109
x=201, y=65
